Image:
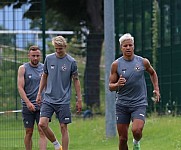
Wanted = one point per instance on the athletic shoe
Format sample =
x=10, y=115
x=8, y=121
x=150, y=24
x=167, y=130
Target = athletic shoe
x=136, y=146
x=60, y=148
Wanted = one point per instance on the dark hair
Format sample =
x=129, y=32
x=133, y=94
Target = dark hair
x=34, y=48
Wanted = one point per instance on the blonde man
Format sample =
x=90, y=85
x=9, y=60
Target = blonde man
x=59, y=71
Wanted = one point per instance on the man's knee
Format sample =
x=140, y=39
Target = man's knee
x=137, y=133
x=43, y=126
x=123, y=140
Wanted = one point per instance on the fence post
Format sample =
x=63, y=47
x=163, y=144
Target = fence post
x=109, y=38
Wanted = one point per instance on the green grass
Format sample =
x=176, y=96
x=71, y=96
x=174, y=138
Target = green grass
x=160, y=133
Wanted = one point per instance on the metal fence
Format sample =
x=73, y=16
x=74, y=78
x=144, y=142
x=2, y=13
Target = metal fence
x=137, y=18
x=15, y=38
x=134, y=16
x=16, y=35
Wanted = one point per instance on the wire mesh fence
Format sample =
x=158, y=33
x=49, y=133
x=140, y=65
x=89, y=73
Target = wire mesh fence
x=13, y=52
x=17, y=34
x=145, y=20
x=12, y=131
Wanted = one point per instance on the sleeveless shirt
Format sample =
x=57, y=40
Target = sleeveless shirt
x=32, y=79
x=134, y=92
x=60, y=71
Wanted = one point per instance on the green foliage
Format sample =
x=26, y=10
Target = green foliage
x=155, y=33
x=75, y=46
x=66, y=14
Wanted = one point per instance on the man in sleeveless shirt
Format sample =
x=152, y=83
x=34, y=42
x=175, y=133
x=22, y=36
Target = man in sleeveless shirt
x=29, y=75
x=128, y=80
x=59, y=71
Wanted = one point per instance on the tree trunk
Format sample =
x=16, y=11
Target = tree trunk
x=95, y=13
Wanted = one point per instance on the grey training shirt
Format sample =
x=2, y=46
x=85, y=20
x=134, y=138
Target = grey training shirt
x=60, y=71
x=32, y=79
x=134, y=92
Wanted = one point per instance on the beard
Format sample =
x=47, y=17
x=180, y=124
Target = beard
x=34, y=62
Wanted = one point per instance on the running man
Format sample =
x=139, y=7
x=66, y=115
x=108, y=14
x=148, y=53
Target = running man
x=128, y=80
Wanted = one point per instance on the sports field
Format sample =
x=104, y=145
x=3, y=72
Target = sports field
x=160, y=133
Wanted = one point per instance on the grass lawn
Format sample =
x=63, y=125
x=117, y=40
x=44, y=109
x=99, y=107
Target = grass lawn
x=160, y=133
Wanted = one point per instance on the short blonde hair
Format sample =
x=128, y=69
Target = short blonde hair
x=59, y=40
x=126, y=36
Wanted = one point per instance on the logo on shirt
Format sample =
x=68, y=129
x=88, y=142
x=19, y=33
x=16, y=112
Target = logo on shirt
x=52, y=67
x=137, y=68
x=124, y=71
x=29, y=76
x=64, y=67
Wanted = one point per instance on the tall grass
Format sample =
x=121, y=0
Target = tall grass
x=160, y=133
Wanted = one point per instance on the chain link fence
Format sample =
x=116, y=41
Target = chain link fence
x=141, y=18
x=16, y=35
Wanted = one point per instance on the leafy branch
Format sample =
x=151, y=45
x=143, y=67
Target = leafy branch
x=155, y=32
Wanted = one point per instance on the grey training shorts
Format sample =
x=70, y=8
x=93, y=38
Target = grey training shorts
x=30, y=117
x=62, y=111
x=125, y=114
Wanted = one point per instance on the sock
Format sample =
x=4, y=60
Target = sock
x=56, y=144
x=136, y=142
